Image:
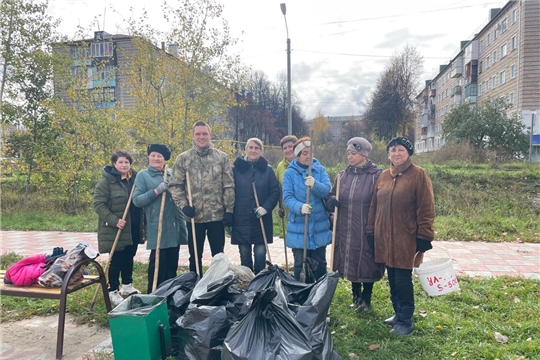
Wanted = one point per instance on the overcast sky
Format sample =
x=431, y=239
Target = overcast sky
x=338, y=47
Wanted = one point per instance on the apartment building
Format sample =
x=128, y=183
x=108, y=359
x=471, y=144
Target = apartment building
x=103, y=62
x=501, y=61
x=337, y=126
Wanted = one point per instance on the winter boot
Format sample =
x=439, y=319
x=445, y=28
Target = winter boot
x=115, y=297
x=356, y=292
x=393, y=320
x=128, y=289
x=366, y=298
x=404, y=325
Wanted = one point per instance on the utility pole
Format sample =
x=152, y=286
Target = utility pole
x=289, y=107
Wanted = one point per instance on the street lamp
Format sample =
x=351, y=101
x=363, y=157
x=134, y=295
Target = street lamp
x=289, y=107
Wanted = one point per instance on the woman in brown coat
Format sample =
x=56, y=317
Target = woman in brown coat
x=353, y=257
x=400, y=224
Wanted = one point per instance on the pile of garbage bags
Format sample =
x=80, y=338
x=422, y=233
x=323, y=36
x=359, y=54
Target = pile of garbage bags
x=231, y=314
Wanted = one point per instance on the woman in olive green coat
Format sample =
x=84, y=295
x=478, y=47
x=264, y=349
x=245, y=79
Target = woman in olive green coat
x=110, y=200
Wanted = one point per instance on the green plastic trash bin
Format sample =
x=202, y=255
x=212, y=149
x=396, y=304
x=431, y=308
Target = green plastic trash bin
x=135, y=327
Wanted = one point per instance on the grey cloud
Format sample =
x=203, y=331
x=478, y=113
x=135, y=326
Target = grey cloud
x=395, y=39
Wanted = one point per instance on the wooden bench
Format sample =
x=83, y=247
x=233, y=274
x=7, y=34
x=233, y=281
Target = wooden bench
x=60, y=293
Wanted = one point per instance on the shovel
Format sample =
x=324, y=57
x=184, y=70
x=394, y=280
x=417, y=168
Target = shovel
x=160, y=226
x=338, y=180
x=308, y=266
x=262, y=223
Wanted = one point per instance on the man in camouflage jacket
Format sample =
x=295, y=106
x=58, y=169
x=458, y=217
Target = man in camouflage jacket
x=212, y=191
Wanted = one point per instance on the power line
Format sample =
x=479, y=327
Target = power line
x=361, y=55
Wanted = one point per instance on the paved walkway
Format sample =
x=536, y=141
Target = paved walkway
x=469, y=258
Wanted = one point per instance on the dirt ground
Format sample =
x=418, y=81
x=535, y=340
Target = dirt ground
x=35, y=339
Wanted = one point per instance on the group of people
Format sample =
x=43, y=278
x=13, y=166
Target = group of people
x=383, y=221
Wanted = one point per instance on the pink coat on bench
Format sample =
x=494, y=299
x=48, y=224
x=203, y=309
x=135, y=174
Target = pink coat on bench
x=26, y=271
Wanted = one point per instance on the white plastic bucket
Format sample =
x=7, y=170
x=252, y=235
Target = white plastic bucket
x=437, y=277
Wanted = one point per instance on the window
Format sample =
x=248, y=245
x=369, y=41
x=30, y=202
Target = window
x=495, y=33
x=511, y=99
x=77, y=51
x=514, y=16
x=493, y=82
x=479, y=89
x=487, y=62
x=487, y=86
x=502, y=77
x=488, y=39
x=512, y=71
x=504, y=25
x=102, y=49
x=105, y=73
x=495, y=56
x=103, y=95
x=481, y=45
x=513, y=42
x=503, y=51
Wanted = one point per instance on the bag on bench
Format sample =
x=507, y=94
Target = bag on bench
x=54, y=276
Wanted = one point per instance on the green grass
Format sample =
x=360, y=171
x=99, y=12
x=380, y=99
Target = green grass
x=454, y=326
x=51, y=221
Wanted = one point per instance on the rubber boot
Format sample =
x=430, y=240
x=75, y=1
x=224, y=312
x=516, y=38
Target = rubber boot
x=356, y=292
x=393, y=320
x=366, y=298
x=366, y=295
x=404, y=325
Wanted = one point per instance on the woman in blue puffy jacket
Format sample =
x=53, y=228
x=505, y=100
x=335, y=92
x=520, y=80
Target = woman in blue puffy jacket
x=295, y=183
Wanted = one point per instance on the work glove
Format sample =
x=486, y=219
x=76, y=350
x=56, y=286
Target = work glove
x=228, y=230
x=333, y=202
x=161, y=188
x=371, y=241
x=189, y=211
x=306, y=209
x=310, y=181
x=423, y=245
x=260, y=211
x=228, y=219
x=281, y=213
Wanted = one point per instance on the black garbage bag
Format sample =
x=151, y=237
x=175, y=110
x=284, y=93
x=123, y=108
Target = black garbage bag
x=311, y=315
x=266, y=279
x=205, y=323
x=178, y=291
x=266, y=332
x=201, y=332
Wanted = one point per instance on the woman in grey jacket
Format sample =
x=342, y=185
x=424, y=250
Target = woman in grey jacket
x=147, y=194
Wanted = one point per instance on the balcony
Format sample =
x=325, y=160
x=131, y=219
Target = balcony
x=456, y=90
x=457, y=67
x=471, y=91
x=432, y=93
x=425, y=120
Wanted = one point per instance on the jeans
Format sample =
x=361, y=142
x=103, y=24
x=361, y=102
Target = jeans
x=401, y=285
x=122, y=264
x=259, y=252
x=215, y=231
x=319, y=255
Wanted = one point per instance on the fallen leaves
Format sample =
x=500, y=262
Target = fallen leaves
x=500, y=338
x=374, y=347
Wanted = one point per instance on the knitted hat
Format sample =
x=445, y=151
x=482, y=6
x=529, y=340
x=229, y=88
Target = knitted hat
x=400, y=140
x=159, y=148
x=360, y=145
x=301, y=144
